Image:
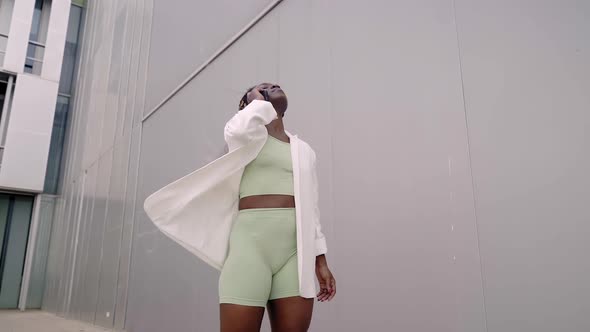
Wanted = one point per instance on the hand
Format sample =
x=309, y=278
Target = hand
x=327, y=283
x=254, y=94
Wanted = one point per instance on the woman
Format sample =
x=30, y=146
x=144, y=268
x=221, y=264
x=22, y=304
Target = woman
x=253, y=214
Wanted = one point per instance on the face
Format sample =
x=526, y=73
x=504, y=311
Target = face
x=276, y=96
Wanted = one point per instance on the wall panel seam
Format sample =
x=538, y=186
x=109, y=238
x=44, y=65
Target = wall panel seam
x=460, y=61
x=219, y=52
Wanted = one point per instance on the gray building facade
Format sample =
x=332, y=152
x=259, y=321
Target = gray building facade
x=452, y=142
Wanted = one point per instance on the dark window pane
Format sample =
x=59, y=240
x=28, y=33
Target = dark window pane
x=69, y=63
x=57, y=144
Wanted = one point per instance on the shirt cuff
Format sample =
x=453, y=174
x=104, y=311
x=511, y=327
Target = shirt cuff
x=267, y=111
x=320, y=246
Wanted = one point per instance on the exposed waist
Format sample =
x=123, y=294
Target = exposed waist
x=266, y=201
x=265, y=186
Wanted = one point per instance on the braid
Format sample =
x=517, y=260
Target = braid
x=244, y=100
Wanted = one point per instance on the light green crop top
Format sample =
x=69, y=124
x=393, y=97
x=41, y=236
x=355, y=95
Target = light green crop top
x=271, y=172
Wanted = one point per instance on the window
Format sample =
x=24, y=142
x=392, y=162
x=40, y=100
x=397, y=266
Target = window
x=56, y=146
x=66, y=83
x=38, y=37
x=5, y=19
x=68, y=66
x=6, y=88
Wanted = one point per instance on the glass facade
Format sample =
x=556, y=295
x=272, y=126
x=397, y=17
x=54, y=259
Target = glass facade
x=15, y=219
x=63, y=100
x=6, y=88
x=38, y=37
x=56, y=145
x=3, y=89
x=5, y=19
x=69, y=62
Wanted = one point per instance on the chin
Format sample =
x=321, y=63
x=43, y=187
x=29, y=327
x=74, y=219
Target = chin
x=280, y=104
x=278, y=96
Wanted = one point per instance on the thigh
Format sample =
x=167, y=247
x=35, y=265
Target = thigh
x=285, y=282
x=245, y=277
x=240, y=318
x=245, y=280
x=290, y=314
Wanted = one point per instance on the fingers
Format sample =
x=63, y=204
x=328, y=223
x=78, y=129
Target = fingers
x=327, y=291
x=323, y=295
x=332, y=284
x=255, y=94
x=327, y=286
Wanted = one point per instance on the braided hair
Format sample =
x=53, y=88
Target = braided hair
x=244, y=100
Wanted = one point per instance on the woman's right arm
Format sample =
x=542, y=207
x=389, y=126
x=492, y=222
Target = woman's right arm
x=240, y=129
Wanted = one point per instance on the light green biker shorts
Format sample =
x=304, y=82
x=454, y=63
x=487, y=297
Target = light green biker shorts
x=261, y=264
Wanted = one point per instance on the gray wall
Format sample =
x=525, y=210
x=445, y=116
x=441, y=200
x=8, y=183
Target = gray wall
x=527, y=76
x=451, y=146
x=90, y=249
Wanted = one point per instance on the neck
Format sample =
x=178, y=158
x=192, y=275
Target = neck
x=276, y=127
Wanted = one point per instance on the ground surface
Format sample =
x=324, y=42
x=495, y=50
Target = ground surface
x=39, y=321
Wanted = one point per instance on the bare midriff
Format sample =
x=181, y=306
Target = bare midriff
x=267, y=201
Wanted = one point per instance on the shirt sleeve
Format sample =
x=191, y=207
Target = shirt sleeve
x=240, y=128
x=320, y=239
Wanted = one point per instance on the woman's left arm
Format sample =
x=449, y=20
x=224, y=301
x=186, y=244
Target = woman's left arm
x=325, y=279
x=323, y=273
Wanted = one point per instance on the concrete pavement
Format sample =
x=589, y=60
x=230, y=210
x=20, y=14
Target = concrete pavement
x=40, y=321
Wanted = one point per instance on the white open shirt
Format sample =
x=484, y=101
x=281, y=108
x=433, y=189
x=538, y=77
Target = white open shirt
x=197, y=211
